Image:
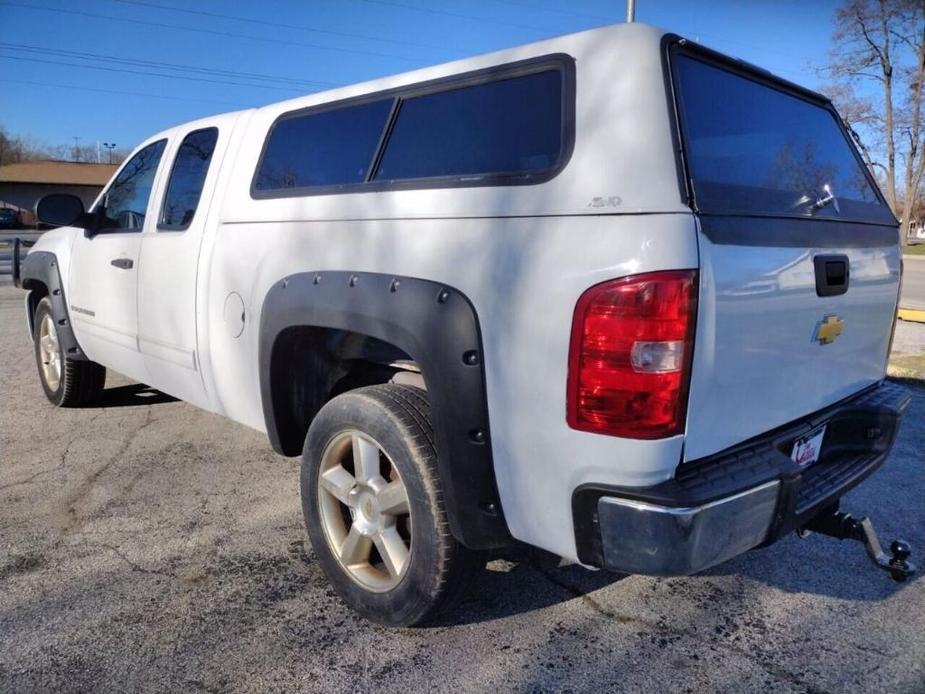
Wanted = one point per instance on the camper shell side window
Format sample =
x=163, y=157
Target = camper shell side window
x=507, y=125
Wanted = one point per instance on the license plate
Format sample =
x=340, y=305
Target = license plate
x=806, y=449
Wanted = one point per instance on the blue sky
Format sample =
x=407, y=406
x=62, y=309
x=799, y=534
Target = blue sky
x=84, y=67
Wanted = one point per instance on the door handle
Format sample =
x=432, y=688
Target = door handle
x=123, y=263
x=832, y=274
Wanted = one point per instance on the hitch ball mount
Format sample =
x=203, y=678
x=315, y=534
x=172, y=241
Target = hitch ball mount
x=843, y=526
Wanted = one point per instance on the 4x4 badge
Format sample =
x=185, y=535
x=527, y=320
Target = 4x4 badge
x=828, y=329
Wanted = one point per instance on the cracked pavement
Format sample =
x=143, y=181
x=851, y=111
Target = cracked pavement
x=146, y=545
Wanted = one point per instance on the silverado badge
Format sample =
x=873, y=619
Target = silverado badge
x=828, y=329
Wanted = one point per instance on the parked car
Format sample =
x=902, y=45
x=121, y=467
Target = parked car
x=9, y=218
x=614, y=295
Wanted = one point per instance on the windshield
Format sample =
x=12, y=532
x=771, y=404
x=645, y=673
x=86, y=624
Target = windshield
x=753, y=148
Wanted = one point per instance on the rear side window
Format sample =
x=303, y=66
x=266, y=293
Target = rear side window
x=511, y=126
x=324, y=148
x=187, y=178
x=754, y=148
x=505, y=126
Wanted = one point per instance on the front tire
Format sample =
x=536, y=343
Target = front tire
x=66, y=382
x=374, y=509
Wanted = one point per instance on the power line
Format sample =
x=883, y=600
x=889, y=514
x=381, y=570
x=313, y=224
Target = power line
x=213, y=32
x=121, y=92
x=617, y=19
x=458, y=15
x=263, y=22
x=149, y=74
x=574, y=13
x=80, y=55
x=614, y=20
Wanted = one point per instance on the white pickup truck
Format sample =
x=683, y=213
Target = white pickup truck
x=612, y=294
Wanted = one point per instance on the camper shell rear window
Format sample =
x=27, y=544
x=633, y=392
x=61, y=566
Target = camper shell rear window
x=509, y=125
x=755, y=146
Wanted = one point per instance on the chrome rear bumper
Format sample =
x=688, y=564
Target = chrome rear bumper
x=717, y=508
x=644, y=538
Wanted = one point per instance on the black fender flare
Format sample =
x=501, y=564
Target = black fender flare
x=41, y=267
x=437, y=326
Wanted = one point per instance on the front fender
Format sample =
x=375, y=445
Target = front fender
x=40, y=270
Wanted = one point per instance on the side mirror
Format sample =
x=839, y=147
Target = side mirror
x=63, y=210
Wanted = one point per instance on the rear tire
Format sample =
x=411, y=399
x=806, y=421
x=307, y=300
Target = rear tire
x=374, y=510
x=66, y=382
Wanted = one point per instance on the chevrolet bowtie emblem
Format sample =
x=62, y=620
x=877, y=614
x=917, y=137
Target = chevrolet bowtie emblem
x=828, y=329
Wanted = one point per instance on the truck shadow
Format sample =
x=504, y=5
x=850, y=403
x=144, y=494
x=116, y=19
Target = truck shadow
x=819, y=566
x=132, y=395
x=522, y=579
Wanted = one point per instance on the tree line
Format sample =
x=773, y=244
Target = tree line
x=875, y=76
x=16, y=148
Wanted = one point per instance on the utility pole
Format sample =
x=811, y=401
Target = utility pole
x=110, y=146
x=76, y=148
x=630, y=11
x=99, y=158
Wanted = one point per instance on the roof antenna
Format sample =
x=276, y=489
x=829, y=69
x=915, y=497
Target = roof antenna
x=630, y=11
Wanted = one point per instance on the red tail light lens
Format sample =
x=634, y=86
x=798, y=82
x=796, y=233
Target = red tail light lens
x=630, y=355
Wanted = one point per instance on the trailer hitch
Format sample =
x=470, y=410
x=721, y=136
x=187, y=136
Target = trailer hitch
x=844, y=526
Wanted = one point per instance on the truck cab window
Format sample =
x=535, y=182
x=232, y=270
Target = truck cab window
x=126, y=201
x=187, y=178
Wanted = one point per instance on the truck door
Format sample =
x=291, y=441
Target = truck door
x=102, y=291
x=169, y=261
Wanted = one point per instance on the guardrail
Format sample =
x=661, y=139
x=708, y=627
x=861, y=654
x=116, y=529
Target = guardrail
x=13, y=247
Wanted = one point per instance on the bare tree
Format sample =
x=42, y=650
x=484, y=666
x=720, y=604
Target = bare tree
x=16, y=148
x=881, y=44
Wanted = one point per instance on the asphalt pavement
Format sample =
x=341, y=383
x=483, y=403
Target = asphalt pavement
x=146, y=545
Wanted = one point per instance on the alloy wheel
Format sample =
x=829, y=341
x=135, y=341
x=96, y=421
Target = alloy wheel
x=364, y=511
x=49, y=353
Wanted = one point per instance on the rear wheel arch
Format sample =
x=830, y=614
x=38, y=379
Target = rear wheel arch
x=309, y=365
x=313, y=325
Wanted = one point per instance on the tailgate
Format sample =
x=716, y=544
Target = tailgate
x=799, y=255
x=768, y=349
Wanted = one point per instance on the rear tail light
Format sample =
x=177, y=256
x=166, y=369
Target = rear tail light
x=630, y=355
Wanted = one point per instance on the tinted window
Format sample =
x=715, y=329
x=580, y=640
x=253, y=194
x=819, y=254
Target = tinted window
x=324, y=148
x=510, y=126
x=126, y=201
x=754, y=148
x=187, y=177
